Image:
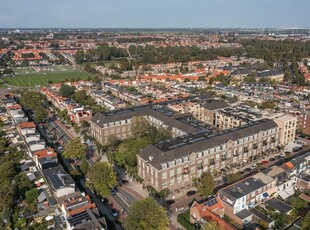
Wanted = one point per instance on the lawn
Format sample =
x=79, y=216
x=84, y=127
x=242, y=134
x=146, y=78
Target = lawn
x=42, y=78
x=184, y=220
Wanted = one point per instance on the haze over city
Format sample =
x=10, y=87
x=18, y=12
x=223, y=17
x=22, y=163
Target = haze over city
x=155, y=115
x=154, y=14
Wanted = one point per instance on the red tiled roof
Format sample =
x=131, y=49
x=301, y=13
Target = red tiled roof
x=45, y=152
x=27, y=125
x=13, y=107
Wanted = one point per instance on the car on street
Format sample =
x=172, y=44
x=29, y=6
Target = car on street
x=125, y=181
x=264, y=162
x=287, y=152
x=272, y=159
x=253, y=167
x=113, y=192
x=114, y=212
x=295, y=149
x=247, y=170
x=190, y=193
x=278, y=157
x=169, y=202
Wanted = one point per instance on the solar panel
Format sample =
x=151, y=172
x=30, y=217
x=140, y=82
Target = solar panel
x=57, y=183
x=211, y=202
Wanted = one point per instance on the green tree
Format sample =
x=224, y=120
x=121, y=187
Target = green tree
x=7, y=171
x=75, y=150
x=102, y=178
x=268, y=105
x=32, y=195
x=212, y=225
x=139, y=126
x=287, y=76
x=205, y=184
x=84, y=166
x=146, y=214
x=40, y=115
x=202, y=78
x=298, y=203
x=66, y=90
x=79, y=56
x=306, y=223
x=233, y=177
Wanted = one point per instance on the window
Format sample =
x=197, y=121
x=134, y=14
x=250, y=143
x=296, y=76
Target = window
x=171, y=173
x=179, y=170
x=164, y=175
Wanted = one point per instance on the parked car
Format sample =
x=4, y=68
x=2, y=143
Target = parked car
x=169, y=202
x=247, y=170
x=114, y=212
x=113, y=192
x=272, y=159
x=278, y=157
x=253, y=167
x=190, y=193
x=264, y=162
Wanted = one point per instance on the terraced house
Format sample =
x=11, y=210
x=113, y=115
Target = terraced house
x=173, y=164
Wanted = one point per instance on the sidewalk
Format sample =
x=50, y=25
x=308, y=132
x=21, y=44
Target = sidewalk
x=136, y=187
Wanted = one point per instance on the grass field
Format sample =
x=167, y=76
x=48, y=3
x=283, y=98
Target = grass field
x=27, y=77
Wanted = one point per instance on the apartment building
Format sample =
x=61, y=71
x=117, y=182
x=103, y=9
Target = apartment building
x=238, y=198
x=174, y=164
x=189, y=107
x=303, y=121
x=287, y=125
x=118, y=123
x=231, y=117
x=209, y=109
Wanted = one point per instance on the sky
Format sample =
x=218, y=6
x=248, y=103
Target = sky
x=154, y=13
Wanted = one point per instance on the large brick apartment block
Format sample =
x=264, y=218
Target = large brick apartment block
x=174, y=165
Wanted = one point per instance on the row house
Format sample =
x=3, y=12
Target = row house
x=55, y=186
x=16, y=112
x=174, y=165
x=76, y=112
x=109, y=101
x=45, y=158
x=239, y=197
x=79, y=212
x=209, y=211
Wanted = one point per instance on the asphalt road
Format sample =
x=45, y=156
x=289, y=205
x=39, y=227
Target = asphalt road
x=61, y=134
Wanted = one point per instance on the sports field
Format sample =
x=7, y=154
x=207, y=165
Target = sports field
x=28, y=77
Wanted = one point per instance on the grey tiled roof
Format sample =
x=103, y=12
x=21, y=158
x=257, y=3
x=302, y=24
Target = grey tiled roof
x=279, y=205
x=215, y=104
x=244, y=214
x=242, y=188
x=159, y=156
x=100, y=119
